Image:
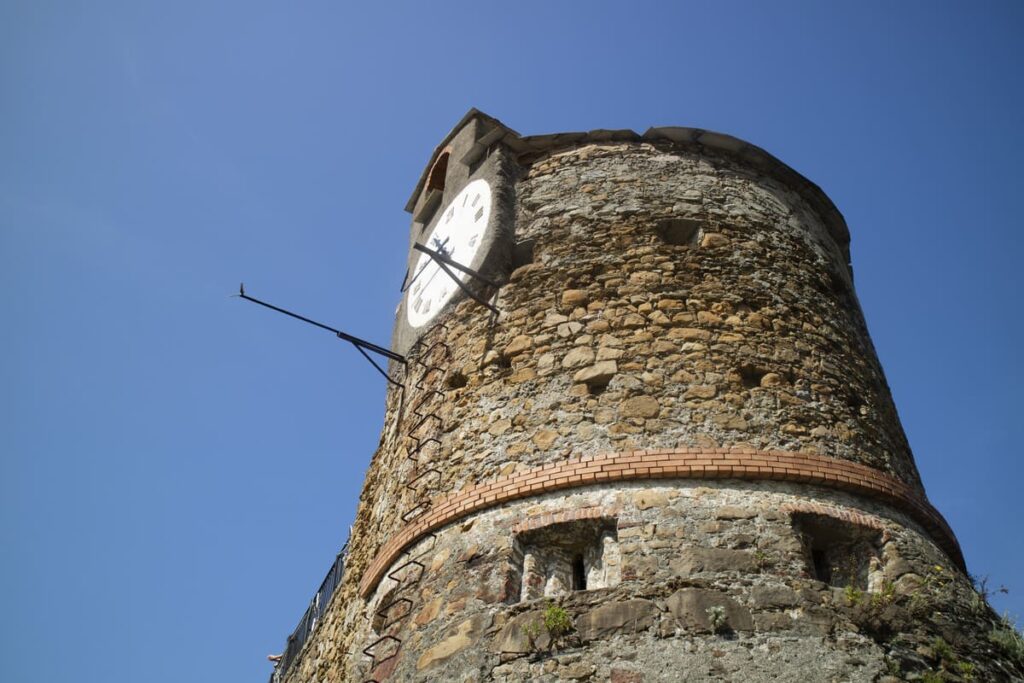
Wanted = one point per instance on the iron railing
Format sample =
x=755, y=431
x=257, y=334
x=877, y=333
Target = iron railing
x=309, y=621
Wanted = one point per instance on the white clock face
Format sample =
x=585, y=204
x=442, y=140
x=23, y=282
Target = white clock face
x=458, y=235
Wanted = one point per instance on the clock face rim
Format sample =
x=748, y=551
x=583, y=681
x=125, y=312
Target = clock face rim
x=457, y=231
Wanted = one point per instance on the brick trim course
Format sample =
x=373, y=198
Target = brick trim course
x=671, y=463
x=560, y=517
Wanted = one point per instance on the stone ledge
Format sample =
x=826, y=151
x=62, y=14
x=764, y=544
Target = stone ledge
x=681, y=463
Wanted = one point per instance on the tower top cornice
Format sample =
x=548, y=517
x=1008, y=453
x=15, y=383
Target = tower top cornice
x=532, y=147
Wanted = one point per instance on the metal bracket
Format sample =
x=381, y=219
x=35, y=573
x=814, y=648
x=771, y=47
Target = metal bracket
x=444, y=261
x=361, y=345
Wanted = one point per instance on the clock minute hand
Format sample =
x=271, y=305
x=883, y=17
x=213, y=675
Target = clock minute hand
x=444, y=262
x=419, y=272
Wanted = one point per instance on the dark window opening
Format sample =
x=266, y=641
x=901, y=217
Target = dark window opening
x=438, y=173
x=678, y=231
x=821, y=568
x=559, y=558
x=579, y=575
x=838, y=553
x=456, y=380
x=522, y=253
x=751, y=376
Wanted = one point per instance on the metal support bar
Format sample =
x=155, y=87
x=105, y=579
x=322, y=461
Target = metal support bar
x=421, y=508
x=443, y=259
x=431, y=471
x=421, y=342
x=431, y=393
x=406, y=282
x=388, y=620
x=424, y=417
x=361, y=345
x=444, y=262
x=368, y=650
x=393, y=574
x=420, y=445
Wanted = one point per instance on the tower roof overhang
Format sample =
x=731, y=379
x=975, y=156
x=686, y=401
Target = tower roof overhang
x=529, y=148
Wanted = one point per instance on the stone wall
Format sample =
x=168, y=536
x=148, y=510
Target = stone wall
x=675, y=298
x=684, y=548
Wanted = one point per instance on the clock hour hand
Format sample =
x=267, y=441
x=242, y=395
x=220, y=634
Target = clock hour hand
x=444, y=262
x=432, y=275
x=440, y=247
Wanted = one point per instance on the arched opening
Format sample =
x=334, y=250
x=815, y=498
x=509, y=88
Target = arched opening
x=579, y=574
x=438, y=173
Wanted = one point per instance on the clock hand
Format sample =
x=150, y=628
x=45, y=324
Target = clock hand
x=440, y=247
x=436, y=271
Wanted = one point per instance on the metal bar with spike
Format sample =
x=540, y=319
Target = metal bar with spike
x=361, y=345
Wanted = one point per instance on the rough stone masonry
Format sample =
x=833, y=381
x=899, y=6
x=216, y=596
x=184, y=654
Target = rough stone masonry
x=673, y=457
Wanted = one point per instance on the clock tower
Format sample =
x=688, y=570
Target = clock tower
x=640, y=434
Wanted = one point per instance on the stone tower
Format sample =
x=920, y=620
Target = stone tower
x=670, y=455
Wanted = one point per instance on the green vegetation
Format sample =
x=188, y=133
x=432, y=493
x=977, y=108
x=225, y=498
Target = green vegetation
x=943, y=652
x=719, y=622
x=884, y=597
x=892, y=667
x=557, y=621
x=1007, y=638
x=932, y=589
x=966, y=670
x=761, y=560
x=948, y=663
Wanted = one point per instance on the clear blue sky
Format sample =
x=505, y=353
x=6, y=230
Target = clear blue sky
x=179, y=468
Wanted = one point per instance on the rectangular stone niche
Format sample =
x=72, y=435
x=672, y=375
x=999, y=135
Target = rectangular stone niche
x=568, y=556
x=837, y=552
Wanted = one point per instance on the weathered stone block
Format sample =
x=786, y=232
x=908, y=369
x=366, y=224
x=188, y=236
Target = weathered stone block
x=696, y=560
x=579, y=356
x=598, y=374
x=701, y=391
x=519, y=344
x=714, y=240
x=574, y=297
x=734, y=512
x=544, y=438
x=639, y=406
x=577, y=671
x=690, y=608
x=649, y=499
x=773, y=597
x=626, y=676
x=629, y=616
x=462, y=636
x=523, y=633
x=499, y=427
x=689, y=334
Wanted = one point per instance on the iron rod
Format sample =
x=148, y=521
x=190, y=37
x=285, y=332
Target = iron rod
x=361, y=345
x=443, y=259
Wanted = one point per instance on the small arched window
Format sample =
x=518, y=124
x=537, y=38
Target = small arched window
x=435, y=181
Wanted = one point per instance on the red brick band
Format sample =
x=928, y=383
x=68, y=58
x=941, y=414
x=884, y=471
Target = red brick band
x=678, y=463
x=548, y=519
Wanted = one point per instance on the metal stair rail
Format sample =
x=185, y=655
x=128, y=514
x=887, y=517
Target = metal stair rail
x=423, y=436
x=310, y=619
